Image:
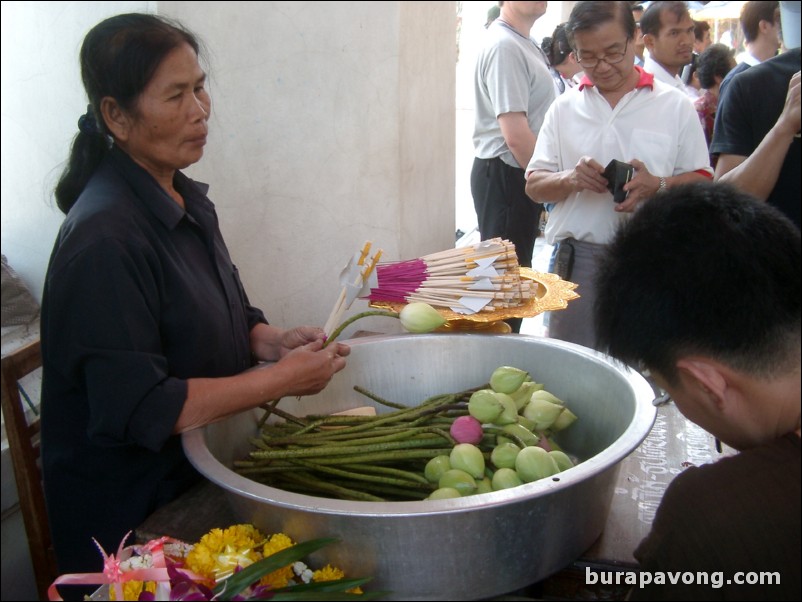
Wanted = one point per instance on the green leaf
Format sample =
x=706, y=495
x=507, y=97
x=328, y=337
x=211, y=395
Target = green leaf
x=337, y=585
x=227, y=589
x=323, y=596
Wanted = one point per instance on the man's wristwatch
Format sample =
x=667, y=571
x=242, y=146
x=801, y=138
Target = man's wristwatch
x=663, y=185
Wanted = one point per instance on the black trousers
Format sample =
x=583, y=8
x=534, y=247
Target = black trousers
x=503, y=210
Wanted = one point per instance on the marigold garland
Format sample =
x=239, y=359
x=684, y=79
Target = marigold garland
x=220, y=551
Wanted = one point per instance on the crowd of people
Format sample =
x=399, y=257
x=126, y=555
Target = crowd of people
x=710, y=206
x=567, y=132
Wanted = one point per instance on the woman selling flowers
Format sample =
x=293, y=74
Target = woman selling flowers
x=146, y=329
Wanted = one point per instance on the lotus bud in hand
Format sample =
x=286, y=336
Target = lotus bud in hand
x=420, y=318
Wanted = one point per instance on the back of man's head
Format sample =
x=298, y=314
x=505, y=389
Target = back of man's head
x=705, y=270
x=715, y=62
x=753, y=13
x=699, y=30
x=650, y=22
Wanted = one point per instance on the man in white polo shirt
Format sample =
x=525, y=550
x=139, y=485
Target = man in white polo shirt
x=669, y=37
x=617, y=112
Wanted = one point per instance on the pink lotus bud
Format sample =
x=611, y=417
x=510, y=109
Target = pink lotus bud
x=466, y=429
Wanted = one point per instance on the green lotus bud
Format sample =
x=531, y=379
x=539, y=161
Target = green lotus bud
x=564, y=420
x=459, y=480
x=505, y=478
x=444, y=493
x=523, y=433
x=524, y=421
x=503, y=456
x=485, y=406
x=484, y=486
x=534, y=463
x=420, y=317
x=522, y=396
x=546, y=396
x=561, y=459
x=509, y=413
x=507, y=379
x=469, y=458
x=436, y=467
x=543, y=413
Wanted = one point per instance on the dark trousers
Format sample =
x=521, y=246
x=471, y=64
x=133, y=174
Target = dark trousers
x=503, y=210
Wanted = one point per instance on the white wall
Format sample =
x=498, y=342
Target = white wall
x=42, y=98
x=332, y=124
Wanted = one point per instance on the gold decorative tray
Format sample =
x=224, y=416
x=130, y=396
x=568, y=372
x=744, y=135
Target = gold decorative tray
x=553, y=293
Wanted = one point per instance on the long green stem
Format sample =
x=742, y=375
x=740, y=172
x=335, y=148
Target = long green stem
x=356, y=476
x=354, y=318
x=341, y=451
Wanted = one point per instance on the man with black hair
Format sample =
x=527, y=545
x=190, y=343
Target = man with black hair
x=668, y=34
x=702, y=288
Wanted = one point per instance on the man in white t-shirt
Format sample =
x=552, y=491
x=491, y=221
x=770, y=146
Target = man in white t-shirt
x=617, y=112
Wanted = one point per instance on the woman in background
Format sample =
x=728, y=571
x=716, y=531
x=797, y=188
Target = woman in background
x=712, y=66
x=565, y=69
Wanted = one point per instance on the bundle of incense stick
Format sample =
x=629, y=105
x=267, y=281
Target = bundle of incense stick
x=353, y=279
x=481, y=277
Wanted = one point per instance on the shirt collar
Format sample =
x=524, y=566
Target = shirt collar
x=645, y=80
x=750, y=59
x=154, y=197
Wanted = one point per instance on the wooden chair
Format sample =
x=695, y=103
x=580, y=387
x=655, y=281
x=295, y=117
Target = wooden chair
x=23, y=441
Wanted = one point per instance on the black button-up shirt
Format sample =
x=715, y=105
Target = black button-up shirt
x=140, y=296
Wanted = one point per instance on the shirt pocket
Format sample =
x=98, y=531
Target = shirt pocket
x=658, y=151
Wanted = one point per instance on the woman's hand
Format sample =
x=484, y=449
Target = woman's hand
x=270, y=344
x=304, y=370
x=297, y=337
x=308, y=368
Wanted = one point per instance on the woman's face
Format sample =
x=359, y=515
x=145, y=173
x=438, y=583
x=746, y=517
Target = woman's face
x=168, y=130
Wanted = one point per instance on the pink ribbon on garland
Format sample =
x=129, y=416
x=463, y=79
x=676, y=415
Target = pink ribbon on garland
x=115, y=576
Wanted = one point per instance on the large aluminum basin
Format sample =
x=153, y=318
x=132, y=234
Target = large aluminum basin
x=455, y=549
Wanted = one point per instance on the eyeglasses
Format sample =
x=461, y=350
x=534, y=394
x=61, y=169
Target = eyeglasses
x=613, y=58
